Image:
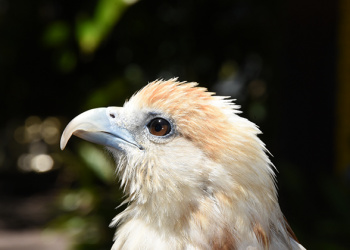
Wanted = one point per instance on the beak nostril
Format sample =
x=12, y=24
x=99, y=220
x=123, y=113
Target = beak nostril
x=112, y=115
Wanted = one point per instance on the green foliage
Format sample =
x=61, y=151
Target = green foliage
x=103, y=96
x=97, y=162
x=56, y=34
x=91, y=32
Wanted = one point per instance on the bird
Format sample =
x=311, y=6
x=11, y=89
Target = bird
x=194, y=171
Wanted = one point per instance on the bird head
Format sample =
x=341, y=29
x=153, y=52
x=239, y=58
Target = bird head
x=175, y=132
x=179, y=148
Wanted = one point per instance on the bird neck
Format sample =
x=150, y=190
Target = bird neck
x=175, y=193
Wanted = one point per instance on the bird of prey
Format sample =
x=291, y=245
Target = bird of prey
x=195, y=172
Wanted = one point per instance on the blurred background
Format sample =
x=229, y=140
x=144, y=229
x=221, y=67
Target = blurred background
x=286, y=62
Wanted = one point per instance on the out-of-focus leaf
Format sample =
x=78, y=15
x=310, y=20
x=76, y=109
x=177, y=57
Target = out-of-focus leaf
x=82, y=200
x=96, y=160
x=56, y=34
x=107, y=95
x=67, y=61
x=91, y=31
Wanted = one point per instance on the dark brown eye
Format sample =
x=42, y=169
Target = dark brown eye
x=159, y=127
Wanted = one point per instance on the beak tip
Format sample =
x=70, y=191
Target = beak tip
x=63, y=143
x=66, y=135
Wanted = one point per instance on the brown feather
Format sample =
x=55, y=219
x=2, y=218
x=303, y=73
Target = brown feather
x=226, y=242
x=261, y=235
x=290, y=231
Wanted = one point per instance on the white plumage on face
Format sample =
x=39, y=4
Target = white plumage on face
x=196, y=174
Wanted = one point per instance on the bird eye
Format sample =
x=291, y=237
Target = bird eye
x=159, y=127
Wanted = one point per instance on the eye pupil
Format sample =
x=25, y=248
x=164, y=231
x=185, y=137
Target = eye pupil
x=159, y=127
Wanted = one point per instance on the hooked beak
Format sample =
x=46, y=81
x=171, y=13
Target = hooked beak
x=97, y=126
